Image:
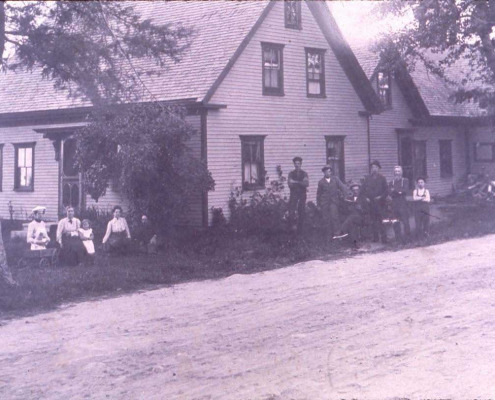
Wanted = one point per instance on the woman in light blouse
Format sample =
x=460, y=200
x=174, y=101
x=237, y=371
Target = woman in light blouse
x=117, y=237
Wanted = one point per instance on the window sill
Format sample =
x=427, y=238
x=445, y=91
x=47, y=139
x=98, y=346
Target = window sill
x=279, y=94
x=316, y=96
x=23, y=189
x=293, y=27
x=253, y=189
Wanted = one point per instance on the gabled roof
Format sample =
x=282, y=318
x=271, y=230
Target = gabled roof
x=424, y=91
x=222, y=29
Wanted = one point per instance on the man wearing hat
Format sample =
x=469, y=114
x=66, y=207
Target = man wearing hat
x=298, y=182
x=375, y=190
x=37, y=235
x=330, y=188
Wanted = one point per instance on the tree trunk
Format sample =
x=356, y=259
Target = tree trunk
x=5, y=273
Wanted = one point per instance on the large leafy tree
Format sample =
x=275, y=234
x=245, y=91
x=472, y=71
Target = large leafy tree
x=143, y=150
x=453, y=38
x=88, y=47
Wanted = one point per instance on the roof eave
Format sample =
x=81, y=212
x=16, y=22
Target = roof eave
x=345, y=56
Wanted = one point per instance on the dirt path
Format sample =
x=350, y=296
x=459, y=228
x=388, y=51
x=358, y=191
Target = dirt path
x=415, y=324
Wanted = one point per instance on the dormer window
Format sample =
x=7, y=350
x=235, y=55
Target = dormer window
x=292, y=14
x=384, y=88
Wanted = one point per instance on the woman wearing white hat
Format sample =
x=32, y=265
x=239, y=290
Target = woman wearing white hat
x=37, y=234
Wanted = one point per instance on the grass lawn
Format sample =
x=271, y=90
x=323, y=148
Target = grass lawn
x=209, y=255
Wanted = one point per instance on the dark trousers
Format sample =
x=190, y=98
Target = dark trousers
x=297, y=202
x=73, y=251
x=352, y=226
x=422, y=218
x=330, y=219
x=400, y=211
x=377, y=211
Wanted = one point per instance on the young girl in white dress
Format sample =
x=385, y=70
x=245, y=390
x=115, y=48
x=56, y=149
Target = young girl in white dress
x=86, y=235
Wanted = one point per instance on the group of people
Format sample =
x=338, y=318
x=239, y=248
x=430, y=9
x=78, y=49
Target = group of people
x=373, y=204
x=76, y=238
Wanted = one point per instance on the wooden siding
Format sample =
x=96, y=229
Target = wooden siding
x=481, y=135
x=293, y=124
x=385, y=147
x=45, y=175
x=384, y=140
x=193, y=217
x=437, y=185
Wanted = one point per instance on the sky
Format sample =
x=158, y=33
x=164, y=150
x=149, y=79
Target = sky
x=356, y=20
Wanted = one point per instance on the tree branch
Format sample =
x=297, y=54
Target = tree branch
x=2, y=29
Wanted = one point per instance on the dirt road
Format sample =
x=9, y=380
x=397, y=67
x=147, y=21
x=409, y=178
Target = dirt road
x=415, y=324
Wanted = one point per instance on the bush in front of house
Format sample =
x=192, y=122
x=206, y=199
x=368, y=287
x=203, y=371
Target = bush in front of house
x=265, y=212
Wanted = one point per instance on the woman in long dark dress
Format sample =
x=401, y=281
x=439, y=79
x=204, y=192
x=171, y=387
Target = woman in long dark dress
x=117, y=237
x=72, y=248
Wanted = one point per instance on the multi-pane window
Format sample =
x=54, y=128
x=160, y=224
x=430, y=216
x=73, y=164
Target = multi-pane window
x=384, y=88
x=253, y=163
x=446, y=168
x=292, y=14
x=335, y=155
x=315, y=68
x=273, y=71
x=484, y=152
x=24, y=166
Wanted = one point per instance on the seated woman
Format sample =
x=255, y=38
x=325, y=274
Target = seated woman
x=72, y=249
x=117, y=237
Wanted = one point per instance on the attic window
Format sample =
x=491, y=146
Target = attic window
x=384, y=88
x=292, y=14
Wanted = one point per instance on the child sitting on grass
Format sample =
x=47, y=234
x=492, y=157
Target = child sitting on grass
x=421, y=197
x=86, y=235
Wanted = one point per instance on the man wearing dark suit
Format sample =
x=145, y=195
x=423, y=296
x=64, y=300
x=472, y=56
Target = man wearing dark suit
x=375, y=190
x=356, y=209
x=298, y=182
x=330, y=189
x=400, y=211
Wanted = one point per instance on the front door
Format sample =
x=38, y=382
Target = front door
x=70, y=178
x=412, y=158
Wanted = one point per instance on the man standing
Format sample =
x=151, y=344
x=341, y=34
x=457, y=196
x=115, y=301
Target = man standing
x=37, y=234
x=330, y=188
x=298, y=183
x=400, y=211
x=375, y=190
